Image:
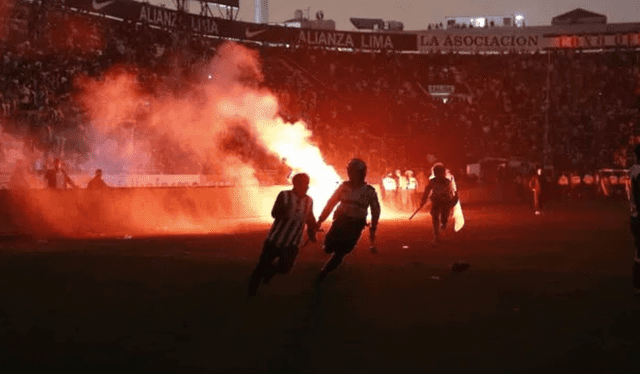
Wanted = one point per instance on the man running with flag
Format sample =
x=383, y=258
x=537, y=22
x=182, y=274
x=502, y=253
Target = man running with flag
x=443, y=193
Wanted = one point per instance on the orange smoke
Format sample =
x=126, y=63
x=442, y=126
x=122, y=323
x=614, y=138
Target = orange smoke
x=13, y=150
x=121, y=212
x=225, y=126
x=223, y=120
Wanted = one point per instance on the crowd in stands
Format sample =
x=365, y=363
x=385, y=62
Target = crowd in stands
x=46, y=47
x=373, y=105
x=499, y=107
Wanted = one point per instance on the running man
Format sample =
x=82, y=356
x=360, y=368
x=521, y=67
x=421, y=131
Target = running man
x=442, y=194
x=355, y=197
x=292, y=210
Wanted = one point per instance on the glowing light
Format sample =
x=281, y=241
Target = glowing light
x=226, y=122
x=479, y=22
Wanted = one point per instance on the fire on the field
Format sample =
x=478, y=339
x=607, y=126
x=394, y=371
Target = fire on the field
x=226, y=125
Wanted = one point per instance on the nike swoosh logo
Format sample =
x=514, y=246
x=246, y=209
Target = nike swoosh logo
x=98, y=5
x=251, y=34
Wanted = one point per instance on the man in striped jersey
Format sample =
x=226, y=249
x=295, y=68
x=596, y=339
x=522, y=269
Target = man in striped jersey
x=292, y=210
x=634, y=201
x=355, y=198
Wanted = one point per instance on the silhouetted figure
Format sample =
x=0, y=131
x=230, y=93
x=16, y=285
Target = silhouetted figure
x=563, y=185
x=292, y=210
x=443, y=196
x=57, y=178
x=97, y=182
x=535, y=185
x=355, y=197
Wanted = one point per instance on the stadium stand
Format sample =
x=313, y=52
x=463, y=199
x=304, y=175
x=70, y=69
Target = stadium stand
x=376, y=101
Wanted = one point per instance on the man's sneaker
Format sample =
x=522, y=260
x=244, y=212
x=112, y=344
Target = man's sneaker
x=269, y=275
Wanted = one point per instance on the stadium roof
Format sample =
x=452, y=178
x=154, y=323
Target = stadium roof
x=566, y=29
x=367, y=23
x=231, y=3
x=578, y=15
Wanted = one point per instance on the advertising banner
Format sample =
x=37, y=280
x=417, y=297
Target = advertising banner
x=117, y=8
x=497, y=39
x=159, y=16
x=474, y=42
x=521, y=40
x=587, y=41
x=169, y=18
x=356, y=40
x=441, y=90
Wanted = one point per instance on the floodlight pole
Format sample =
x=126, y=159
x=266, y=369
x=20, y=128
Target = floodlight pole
x=182, y=9
x=181, y=5
x=547, y=152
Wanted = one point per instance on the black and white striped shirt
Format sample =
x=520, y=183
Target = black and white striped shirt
x=291, y=213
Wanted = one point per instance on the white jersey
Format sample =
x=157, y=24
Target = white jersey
x=634, y=190
x=389, y=184
x=355, y=201
x=402, y=183
x=413, y=184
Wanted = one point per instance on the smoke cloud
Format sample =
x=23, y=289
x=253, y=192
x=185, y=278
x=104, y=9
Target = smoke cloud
x=224, y=125
x=217, y=126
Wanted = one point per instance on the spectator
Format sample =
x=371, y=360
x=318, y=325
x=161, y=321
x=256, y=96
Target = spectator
x=97, y=183
x=57, y=178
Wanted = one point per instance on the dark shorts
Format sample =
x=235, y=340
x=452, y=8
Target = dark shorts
x=343, y=234
x=441, y=207
x=286, y=256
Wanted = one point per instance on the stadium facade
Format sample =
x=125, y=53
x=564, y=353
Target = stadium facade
x=463, y=40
